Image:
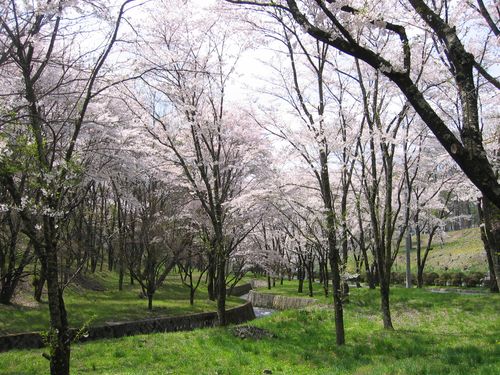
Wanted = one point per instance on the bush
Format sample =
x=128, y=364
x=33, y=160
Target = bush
x=430, y=278
x=398, y=277
x=443, y=279
x=457, y=278
x=473, y=279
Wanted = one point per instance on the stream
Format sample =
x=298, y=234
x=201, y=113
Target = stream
x=260, y=312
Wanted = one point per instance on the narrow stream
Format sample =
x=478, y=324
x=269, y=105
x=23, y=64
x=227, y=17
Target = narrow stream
x=260, y=312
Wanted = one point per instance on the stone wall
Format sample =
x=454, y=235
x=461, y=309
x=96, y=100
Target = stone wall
x=235, y=315
x=239, y=290
x=272, y=301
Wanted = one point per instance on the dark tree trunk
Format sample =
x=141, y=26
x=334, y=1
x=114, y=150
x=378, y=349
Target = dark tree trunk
x=191, y=296
x=333, y=252
x=310, y=274
x=337, y=300
x=121, y=275
x=211, y=278
x=94, y=261
x=7, y=291
x=300, y=276
x=111, y=258
x=150, y=301
x=221, y=290
x=11, y=265
x=420, y=277
x=384, y=302
x=39, y=283
x=490, y=234
x=59, y=339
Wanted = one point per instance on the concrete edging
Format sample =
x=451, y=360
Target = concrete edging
x=273, y=301
x=236, y=315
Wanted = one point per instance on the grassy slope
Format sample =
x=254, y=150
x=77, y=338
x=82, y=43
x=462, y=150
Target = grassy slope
x=460, y=250
x=435, y=334
x=111, y=305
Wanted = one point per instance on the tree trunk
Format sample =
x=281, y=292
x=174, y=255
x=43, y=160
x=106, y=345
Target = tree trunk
x=490, y=216
x=310, y=280
x=221, y=290
x=384, y=302
x=7, y=291
x=300, y=276
x=39, y=283
x=211, y=278
x=420, y=277
x=333, y=252
x=150, y=301
x=120, y=277
x=59, y=340
x=491, y=267
x=111, y=258
x=191, y=296
x=337, y=301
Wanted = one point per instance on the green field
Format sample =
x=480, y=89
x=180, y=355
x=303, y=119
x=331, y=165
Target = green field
x=83, y=304
x=435, y=334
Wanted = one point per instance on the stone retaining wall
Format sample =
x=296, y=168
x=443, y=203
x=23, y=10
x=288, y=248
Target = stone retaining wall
x=272, y=301
x=235, y=315
x=239, y=290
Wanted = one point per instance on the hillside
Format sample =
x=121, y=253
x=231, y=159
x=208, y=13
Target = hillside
x=460, y=250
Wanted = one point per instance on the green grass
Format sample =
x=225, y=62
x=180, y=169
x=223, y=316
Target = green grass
x=435, y=334
x=111, y=305
x=460, y=250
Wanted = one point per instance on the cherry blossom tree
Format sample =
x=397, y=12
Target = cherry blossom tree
x=50, y=81
x=458, y=58
x=218, y=156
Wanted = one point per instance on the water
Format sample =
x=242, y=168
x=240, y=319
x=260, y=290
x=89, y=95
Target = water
x=261, y=312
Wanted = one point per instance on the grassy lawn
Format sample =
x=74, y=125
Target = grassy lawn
x=435, y=334
x=111, y=305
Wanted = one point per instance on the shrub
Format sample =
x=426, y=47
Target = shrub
x=457, y=278
x=398, y=277
x=472, y=279
x=430, y=278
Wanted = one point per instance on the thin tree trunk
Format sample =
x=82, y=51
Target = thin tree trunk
x=221, y=290
x=40, y=282
x=211, y=277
